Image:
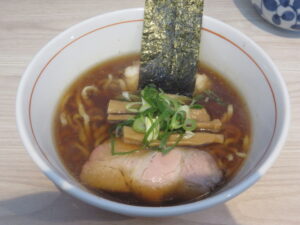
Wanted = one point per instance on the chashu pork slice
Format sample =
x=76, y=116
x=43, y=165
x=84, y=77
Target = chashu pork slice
x=150, y=175
x=199, y=172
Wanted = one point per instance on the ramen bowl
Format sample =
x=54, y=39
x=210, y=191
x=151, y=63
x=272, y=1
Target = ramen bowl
x=223, y=48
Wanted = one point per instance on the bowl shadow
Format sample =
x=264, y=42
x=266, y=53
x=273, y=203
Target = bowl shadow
x=249, y=12
x=48, y=208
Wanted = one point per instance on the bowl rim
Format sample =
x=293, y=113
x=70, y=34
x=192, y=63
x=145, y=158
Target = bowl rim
x=146, y=210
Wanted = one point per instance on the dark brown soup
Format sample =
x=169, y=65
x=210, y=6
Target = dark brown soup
x=76, y=137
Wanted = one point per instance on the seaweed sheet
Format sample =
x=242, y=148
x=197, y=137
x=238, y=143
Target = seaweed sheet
x=170, y=44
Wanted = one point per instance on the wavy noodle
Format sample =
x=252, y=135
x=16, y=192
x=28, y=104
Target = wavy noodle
x=111, y=83
x=230, y=141
x=228, y=115
x=63, y=119
x=84, y=131
x=233, y=159
x=100, y=82
x=82, y=149
x=246, y=142
x=88, y=89
x=76, y=117
x=101, y=134
x=70, y=121
x=107, y=81
x=89, y=134
x=233, y=135
x=99, y=140
x=77, y=125
x=96, y=113
x=232, y=132
x=229, y=157
x=82, y=137
x=220, y=163
x=101, y=130
x=97, y=117
x=64, y=100
x=232, y=149
x=82, y=113
x=241, y=154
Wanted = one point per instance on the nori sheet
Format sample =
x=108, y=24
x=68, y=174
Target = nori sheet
x=170, y=44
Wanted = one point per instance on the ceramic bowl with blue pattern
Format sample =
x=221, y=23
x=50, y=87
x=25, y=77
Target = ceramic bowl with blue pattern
x=282, y=13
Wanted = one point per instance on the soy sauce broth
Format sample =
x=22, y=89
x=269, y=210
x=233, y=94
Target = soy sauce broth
x=69, y=140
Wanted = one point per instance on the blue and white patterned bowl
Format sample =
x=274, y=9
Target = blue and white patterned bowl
x=281, y=13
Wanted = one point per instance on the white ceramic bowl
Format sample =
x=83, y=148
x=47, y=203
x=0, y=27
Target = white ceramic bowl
x=222, y=47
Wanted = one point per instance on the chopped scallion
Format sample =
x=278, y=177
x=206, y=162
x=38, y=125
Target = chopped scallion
x=160, y=115
x=139, y=125
x=189, y=125
x=133, y=106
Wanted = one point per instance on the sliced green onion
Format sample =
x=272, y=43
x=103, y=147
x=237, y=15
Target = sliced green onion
x=133, y=106
x=168, y=149
x=145, y=105
x=211, y=95
x=165, y=98
x=158, y=115
x=196, y=106
x=198, y=98
x=134, y=97
x=189, y=125
x=184, y=108
x=152, y=123
x=177, y=120
x=162, y=117
x=139, y=125
x=113, y=152
x=118, y=131
x=164, y=140
x=118, y=128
